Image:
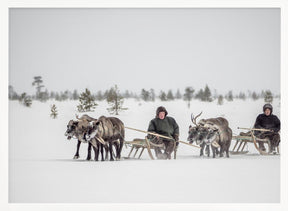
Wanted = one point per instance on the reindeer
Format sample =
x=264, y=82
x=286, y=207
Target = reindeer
x=107, y=130
x=197, y=134
x=76, y=129
x=214, y=132
x=219, y=136
x=98, y=145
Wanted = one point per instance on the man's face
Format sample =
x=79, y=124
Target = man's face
x=267, y=111
x=161, y=115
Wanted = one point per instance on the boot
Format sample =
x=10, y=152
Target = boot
x=162, y=156
x=261, y=146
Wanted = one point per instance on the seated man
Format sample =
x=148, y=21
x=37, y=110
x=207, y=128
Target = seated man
x=166, y=126
x=268, y=121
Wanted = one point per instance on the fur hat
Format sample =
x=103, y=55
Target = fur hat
x=269, y=106
x=161, y=109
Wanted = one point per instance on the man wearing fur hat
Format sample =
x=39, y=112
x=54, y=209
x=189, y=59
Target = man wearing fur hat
x=166, y=126
x=267, y=120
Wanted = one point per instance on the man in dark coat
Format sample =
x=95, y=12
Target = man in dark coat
x=271, y=122
x=166, y=126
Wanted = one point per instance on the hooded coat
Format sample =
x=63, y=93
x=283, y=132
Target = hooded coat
x=268, y=122
x=167, y=127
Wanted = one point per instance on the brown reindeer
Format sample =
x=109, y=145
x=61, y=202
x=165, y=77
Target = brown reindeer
x=76, y=129
x=107, y=130
x=212, y=131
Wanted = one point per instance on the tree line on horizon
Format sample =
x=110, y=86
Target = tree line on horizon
x=115, y=98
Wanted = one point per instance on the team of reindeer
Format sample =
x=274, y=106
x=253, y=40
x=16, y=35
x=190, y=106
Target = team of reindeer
x=105, y=133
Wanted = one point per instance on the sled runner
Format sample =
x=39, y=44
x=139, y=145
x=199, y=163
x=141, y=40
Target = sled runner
x=143, y=144
x=249, y=137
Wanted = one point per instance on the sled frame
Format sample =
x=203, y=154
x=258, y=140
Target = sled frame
x=241, y=142
x=142, y=144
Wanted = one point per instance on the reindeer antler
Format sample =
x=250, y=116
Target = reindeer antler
x=194, y=118
x=85, y=117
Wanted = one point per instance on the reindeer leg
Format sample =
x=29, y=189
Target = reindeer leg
x=120, y=148
x=76, y=156
x=202, y=148
x=227, y=150
x=213, y=151
x=221, y=150
x=207, y=150
x=116, y=145
x=102, y=152
x=227, y=153
x=89, y=151
x=111, y=151
x=106, y=151
x=96, y=152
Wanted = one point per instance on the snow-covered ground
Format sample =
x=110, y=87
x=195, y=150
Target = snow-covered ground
x=42, y=169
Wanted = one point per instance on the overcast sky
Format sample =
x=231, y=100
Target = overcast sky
x=227, y=49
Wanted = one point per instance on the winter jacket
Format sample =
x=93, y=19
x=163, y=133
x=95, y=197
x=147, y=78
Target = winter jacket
x=166, y=127
x=268, y=122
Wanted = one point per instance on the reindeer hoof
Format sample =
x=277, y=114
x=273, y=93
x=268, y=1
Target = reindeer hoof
x=76, y=157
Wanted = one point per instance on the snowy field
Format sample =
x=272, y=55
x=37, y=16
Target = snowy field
x=42, y=169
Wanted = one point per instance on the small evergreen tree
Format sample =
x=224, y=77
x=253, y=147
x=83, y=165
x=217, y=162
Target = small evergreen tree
x=152, y=95
x=170, y=95
x=12, y=94
x=178, y=95
x=25, y=100
x=220, y=100
x=87, y=102
x=268, y=97
x=145, y=95
x=188, y=95
x=43, y=96
x=57, y=96
x=255, y=96
x=38, y=83
x=242, y=96
x=52, y=95
x=115, y=100
x=200, y=95
x=163, y=96
x=54, y=112
x=75, y=95
x=64, y=96
x=207, y=94
x=229, y=96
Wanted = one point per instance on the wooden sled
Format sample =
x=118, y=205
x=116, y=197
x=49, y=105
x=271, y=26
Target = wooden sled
x=143, y=144
x=241, y=142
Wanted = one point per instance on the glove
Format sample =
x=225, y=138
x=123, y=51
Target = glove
x=176, y=137
x=150, y=136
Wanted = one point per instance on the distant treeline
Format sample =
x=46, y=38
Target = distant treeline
x=145, y=95
x=189, y=94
